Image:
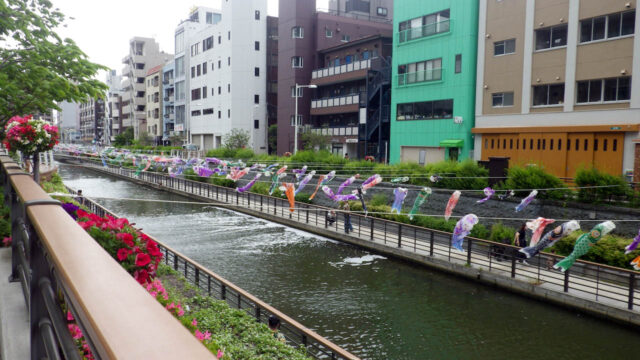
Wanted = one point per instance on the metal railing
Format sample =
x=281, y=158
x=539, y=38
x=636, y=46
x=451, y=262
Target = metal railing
x=55, y=260
x=419, y=77
x=341, y=69
x=354, y=15
x=424, y=31
x=336, y=131
x=353, y=99
x=217, y=287
x=611, y=286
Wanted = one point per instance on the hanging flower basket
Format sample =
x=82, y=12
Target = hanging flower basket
x=30, y=136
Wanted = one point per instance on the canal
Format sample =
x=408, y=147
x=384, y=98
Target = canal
x=375, y=307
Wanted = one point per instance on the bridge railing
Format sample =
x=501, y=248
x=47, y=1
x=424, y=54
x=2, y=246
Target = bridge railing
x=217, y=287
x=61, y=268
x=598, y=282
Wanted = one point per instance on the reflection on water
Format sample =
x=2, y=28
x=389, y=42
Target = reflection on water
x=375, y=307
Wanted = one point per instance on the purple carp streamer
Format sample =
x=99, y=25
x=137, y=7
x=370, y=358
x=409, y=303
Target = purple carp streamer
x=634, y=244
x=299, y=172
x=526, y=201
x=371, y=182
x=462, y=229
x=203, y=171
x=249, y=184
x=453, y=201
x=488, y=193
x=337, y=197
x=400, y=195
x=305, y=181
x=236, y=174
x=346, y=183
x=329, y=177
x=537, y=226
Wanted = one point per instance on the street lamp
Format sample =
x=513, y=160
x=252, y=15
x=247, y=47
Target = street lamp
x=295, y=117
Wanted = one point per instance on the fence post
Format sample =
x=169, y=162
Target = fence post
x=513, y=265
x=431, y=240
x=307, y=207
x=566, y=281
x=326, y=220
x=632, y=281
x=371, y=228
x=399, y=235
x=257, y=313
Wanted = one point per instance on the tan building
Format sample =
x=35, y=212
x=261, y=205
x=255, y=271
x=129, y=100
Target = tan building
x=554, y=84
x=154, y=103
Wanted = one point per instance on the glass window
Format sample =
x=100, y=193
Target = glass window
x=458, y=66
x=610, y=89
x=628, y=22
x=256, y=45
x=204, y=68
x=256, y=99
x=328, y=33
x=502, y=99
x=179, y=42
x=257, y=15
x=595, y=90
x=256, y=124
x=583, y=91
x=256, y=72
x=607, y=27
x=381, y=11
x=297, y=32
x=423, y=110
x=548, y=94
x=624, y=88
x=296, y=62
x=424, y=26
x=613, y=28
x=599, y=28
x=543, y=39
x=551, y=37
x=504, y=47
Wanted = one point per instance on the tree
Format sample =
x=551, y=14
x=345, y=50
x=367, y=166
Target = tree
x=145, y=139
x=273, y=138
x=236, y=139
x=37, y=67
x=313, y=141
x=124, y=138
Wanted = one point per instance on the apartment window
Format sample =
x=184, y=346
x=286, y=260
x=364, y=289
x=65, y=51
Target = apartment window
x=179, y=42
x=219, y=90
x=296, y=62
x=219, y=64
x=195, y=94
x=195, y=49
x=207, y=111
x=204, y=68
x=193, y=72
x=195, y=113
x=219, y=39
x=607, y=27
x=423, y=26
x=213, y=66
x=426, y=110
x=179, y=64
x=256, y=124
x=430, y=70
x=228, y=35
x=256, y=99
x=551, y=37
x=299, y=120
x=502, y=99
x=256, y=71
x=328, y=33
x=297, y=32
x=293, y=91
x=229, y=88
x=458, y=67
x=548, y=94
x=207, y=43
x=209, y=18
x=204, y=92
x=256, y=45
x=345, y=38
x=219, y=114
x=198, y=70
x=229, y=61
x=213, y=91
x=381, y=11
x=257, y=15
x=594, y=91
x=504, y=47
x=229, y=113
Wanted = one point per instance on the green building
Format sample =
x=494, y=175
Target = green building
x=434, y=75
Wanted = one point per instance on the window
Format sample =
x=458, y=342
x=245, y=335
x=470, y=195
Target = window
x=427, y=110
x=179, y=42
x=179, y=66
x=198, y=70
x=195, y=113
x=229, y=88
x=504, y=47
x=256, y=71
x=296, y=61
x=207, y=111
x=594, y=91
x=219, y=64
x=219, y=39
x=256, y=45
x=195, y=94
x=381, y=11
x=180, y=90
x=328, y=33
x=195, y=49
x=502, y=99
x=229, y=113
x=256, y=99
x=204, y=68
x=207, y=43
x=607, y=27
x=219, y=90
x=228, y=35
x=204, y=92
x=213, y=91
x=430, y=70
x=257, y=15
x=423, y=26
x=256, y=124
x=219, y=114
x=299, y=120
x=458, y=67
x=548, y=94
x=193, y=72
x=551, y=37
x=297, y=32
x=345, y=38
x=229, y=60
x=293, y=91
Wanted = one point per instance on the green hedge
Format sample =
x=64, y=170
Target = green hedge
x=609, y=250
x=594, y=177
x=533, y=177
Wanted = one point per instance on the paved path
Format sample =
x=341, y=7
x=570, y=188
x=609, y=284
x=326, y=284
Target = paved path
x=14, y=319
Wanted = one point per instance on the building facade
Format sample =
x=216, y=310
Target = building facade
x=92, y=121
x=144, y=54
x=168, y=96
x=303, y=33
x=113, y=106
x=433, y=80
x=555, y=84
x=272, y=77
x=227, y=77
x=153, y=84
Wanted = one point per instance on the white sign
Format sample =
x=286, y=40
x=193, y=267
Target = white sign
x=457, y=120
x=351, y=141
x=179, y=127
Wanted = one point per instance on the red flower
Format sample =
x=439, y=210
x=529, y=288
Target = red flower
x=123, y=253
x=142, y=259
x=152, y=248
x=86, y=224
x=141, y=276
x=126, y=238
x=82, y=214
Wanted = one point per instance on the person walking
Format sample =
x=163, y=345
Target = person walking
x=520, y=240
x=79, y=198
x=347, y=218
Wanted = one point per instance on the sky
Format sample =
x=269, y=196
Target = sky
x=102, y=29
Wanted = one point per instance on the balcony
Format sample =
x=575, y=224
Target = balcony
x=336, y=131
x=335, y=74
x=126, y=59
x=115, y=126
x=126, y=70
x=115, y=113
x=126, y=84
x=337, y=105
x=168, y=98
x=419, y=77
x=440, y=27
x=126, y=109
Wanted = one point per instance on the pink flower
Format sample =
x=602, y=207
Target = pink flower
x=75, y=331
x=194, y=322
x=207, y=335
x=199, y=335
x=70, y=316
x=220, y=354
x=6, y=241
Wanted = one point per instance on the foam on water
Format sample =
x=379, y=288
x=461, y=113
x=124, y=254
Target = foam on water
x=358, y=261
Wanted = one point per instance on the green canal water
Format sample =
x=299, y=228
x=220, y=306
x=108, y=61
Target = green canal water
x=375, y=307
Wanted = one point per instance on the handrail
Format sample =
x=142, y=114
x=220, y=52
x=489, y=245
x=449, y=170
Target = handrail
x=129, y=325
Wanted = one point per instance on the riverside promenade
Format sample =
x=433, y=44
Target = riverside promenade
x=597, y=289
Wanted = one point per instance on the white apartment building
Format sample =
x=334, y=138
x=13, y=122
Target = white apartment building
x=113, y=106
x=199, y=18
x=227, y=77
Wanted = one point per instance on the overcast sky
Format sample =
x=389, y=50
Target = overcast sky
x=102, y=29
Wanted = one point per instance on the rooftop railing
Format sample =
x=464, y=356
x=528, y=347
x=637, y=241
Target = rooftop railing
x=424, y=31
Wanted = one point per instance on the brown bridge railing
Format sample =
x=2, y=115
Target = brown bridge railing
x=608, y=285
x=54, y=258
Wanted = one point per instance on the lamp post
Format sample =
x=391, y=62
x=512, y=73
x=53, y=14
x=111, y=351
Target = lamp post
x=295, y=117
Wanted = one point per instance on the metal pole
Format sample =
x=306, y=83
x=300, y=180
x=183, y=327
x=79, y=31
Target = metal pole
x=295, y=121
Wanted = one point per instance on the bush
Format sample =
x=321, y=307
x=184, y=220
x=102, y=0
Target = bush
x=609, y=250
x=501, y=233
x=533, y=177
x=473, y=176
x=594, y=177
x=379, y=199
x=245, y=154
x=302, y=197
x=222, y=153
x=221, y=181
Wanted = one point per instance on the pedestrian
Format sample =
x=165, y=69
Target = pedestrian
x=331, y=217
x=346, y=156
x=79, y=198
x=347, y=218
x=274, y=326
x=520, y=240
